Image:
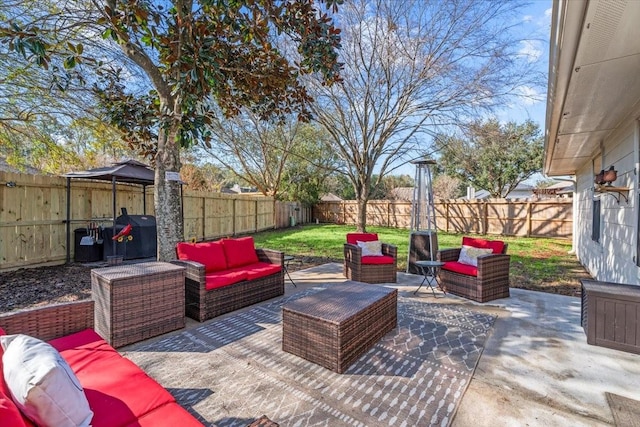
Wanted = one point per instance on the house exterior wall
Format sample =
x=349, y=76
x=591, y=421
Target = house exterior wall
x=613, y=257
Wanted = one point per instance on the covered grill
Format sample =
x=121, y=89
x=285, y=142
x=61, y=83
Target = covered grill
x=143, y=242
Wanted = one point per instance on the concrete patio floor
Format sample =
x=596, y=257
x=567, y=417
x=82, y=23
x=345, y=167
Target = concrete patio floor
x=536, y=369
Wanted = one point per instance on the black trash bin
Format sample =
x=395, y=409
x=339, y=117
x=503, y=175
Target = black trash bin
x=82, y=250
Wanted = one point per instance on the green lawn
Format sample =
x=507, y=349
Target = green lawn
x=536, y=263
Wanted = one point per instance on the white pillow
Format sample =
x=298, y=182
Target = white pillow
x=469, y=254
x=370, y=248
x=42, y=384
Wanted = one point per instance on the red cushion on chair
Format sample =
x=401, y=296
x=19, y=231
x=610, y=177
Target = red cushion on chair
x=497, y=246
x=261, y=269
x=458, y=267
x=220, y=279
x=9, y=413
x=384, y=259
x=240, y=251
x=209, y=254
x=117, y=390
x=352, y=238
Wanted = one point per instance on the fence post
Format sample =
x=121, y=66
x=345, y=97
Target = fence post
x=529, y=219
x=486, y=218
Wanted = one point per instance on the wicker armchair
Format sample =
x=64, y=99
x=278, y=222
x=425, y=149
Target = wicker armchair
x=369, y=269
x=491, y=281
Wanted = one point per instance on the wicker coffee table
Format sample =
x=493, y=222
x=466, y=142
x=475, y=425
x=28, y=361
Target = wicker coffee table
x=333, y=328
x=137, y=301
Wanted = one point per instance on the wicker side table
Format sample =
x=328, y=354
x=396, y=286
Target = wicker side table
x=137, y=301
x=333, y=328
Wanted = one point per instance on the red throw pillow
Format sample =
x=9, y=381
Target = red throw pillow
x=352, y=238
x=210, y=254
x=239, y=252
x=497, y=246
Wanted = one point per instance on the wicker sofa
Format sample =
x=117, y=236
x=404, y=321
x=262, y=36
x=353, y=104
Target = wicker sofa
x=228, y=274
x=369, y=269
x=487, y=281
x=118, y=392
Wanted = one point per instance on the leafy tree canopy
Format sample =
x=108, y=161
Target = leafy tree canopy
x=191, y=55
x=493, y=156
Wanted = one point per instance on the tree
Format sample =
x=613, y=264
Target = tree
x=492, y=156
x=446, y=187
x=191, y=53
x=410, y=66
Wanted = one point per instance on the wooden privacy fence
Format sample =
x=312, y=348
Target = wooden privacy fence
x=508, y=217
x=33, y=212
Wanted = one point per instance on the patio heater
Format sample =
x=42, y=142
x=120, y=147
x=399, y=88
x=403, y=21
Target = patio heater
x=423, y=239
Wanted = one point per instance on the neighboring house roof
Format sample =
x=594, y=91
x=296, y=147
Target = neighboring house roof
x=402, y=193
x=330, y=197
x=593, y=79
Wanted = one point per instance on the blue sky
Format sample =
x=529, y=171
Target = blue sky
x=536, y=27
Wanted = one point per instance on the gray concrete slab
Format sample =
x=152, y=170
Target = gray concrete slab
x=537, y=368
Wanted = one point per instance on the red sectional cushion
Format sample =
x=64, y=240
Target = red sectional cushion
x=117, y=390
x=10, y=416
x=497, y=246
x=220, y=279
x=239, y=252
x=261, y=269
x=352, y=238
x=209, y=254
x=170, y=414
x=384, y=259
x=458, y=267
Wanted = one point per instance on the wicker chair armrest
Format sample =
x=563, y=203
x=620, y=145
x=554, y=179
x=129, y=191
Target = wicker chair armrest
x=493, y=264
x=193, y=270
x=390, y=250
x=51, y=321
x=446, y=255
x=271, y=256
x=352, y=253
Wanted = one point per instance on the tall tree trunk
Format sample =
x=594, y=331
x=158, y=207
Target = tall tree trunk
x=167, y=192
x=362, y=214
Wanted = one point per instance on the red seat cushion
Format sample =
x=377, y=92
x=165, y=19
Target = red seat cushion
x=220, y=279
x=458, y=267
x=170, y=414
x=384, y=259
x=352, y=238
x=261, y=269
x=209, y=254
x=497, y=246
x=10, y=415
x=117, y=390
x=240, y=251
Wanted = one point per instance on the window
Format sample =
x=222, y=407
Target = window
x=595, y=224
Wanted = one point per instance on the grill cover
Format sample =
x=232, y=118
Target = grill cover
x=144, y=243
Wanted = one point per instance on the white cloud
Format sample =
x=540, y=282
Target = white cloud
x=529, y=95
x=531, y=49
x=527, y=18
x=547, y=13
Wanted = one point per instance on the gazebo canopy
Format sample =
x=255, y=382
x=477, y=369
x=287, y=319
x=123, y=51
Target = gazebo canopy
x=130, y=171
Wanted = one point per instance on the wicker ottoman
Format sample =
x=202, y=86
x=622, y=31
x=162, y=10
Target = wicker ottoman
x=137, y=301
x=333, y=328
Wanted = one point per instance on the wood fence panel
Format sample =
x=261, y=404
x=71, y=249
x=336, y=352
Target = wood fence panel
x=33, y=214
x=508, y=217
x=218, y=217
